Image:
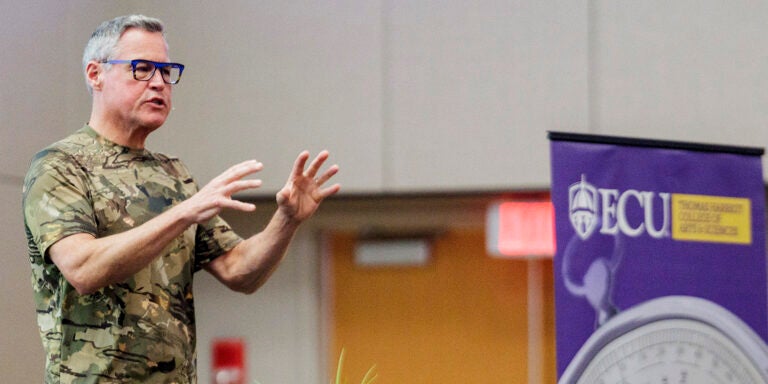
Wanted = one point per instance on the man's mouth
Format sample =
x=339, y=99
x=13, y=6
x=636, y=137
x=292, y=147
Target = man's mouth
x=156, y=101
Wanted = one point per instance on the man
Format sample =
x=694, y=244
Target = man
x=116, y=232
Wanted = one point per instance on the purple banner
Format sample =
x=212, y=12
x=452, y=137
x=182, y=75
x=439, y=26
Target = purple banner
x=660, y=269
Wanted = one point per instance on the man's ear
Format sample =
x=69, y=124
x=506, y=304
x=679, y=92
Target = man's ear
x=93, y=74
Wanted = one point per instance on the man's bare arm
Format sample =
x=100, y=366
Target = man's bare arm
x=247, y=267
x=90, y=263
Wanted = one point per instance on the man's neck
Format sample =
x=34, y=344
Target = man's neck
x=119, y=133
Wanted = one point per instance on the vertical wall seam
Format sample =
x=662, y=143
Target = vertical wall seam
x=535, y=309
x=386, y=139
x=593, y=93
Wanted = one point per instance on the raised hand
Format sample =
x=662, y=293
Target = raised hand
x=303, y=192
x=217, y=194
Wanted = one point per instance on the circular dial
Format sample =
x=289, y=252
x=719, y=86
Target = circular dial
x=671, y=340
x=671, y=351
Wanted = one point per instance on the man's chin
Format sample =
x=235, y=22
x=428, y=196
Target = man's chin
x=154, y=123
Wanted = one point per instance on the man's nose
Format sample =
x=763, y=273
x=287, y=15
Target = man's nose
x=157, y=79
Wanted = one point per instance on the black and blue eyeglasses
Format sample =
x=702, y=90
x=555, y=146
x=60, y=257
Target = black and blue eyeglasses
x=143, y=70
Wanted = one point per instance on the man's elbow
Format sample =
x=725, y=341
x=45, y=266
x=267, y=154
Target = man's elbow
x=83, y=286
x=74, y=264
x=76, y=276
x=233, y=277
x=244, y=286
x=85, y=290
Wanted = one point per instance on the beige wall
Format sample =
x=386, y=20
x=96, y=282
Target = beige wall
x=21, y=354
x=409, y=97
x=280, y=323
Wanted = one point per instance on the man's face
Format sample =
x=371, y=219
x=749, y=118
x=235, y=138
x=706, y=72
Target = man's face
x=133, y=103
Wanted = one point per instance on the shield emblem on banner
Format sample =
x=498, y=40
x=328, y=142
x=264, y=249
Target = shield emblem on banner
x=582, y=207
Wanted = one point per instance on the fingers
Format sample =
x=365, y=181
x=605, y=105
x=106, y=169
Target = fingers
x=240, y=185
x=329, y=191
x=298, y=164
x=312, y=171
x=332, y=170
x=315, y=165
x=231, y=181
x=239, y=205
x=238, y=171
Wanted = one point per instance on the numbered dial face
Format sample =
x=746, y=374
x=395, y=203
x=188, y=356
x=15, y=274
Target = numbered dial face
x=671, y=352
x=671, y=340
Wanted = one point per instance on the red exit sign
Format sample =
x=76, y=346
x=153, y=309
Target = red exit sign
x=521, y=229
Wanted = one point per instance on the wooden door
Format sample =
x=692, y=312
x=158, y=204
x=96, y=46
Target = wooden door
x=462, y=318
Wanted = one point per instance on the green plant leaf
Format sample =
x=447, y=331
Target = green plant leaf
x=339, y=367
x=370, y=376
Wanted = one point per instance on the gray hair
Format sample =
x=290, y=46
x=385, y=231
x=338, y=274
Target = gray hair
x=103, y=42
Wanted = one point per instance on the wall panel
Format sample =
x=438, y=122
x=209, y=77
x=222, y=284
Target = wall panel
x=472, y=88
x=266, y=80
x=683, y=70
x=43, y=96
x=21, y=350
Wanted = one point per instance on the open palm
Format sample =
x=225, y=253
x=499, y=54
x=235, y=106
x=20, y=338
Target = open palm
x=303, y=192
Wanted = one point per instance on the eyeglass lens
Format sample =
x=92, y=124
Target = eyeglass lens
x=144, y=70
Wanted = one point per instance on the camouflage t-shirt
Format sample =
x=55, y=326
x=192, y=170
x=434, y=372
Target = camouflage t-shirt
x=142, y=329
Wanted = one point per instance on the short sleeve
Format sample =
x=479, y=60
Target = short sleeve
x=55, y=200
x=214, y=238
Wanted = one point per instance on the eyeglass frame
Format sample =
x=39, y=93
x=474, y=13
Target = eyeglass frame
x=155, y=66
